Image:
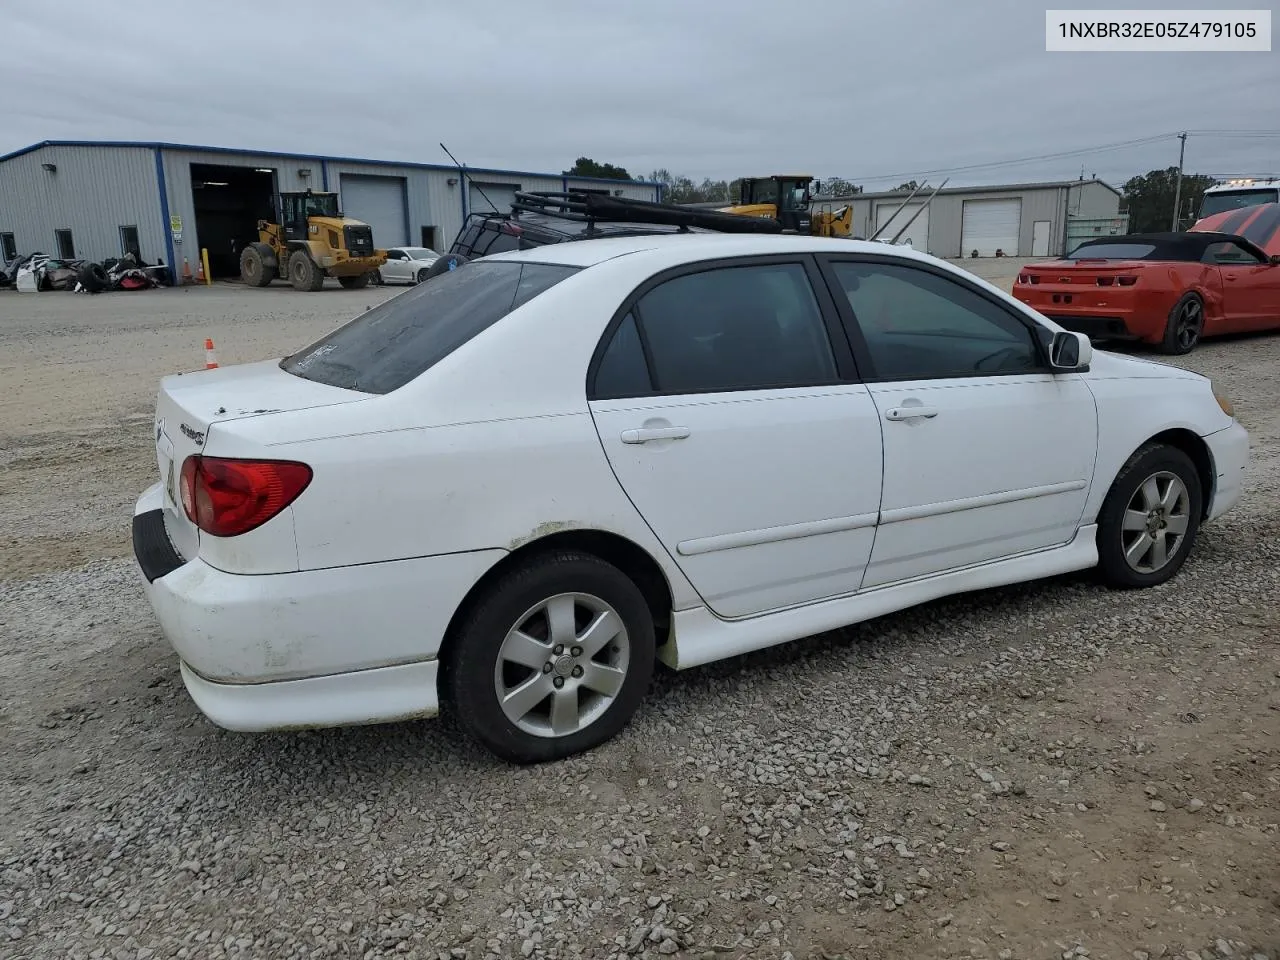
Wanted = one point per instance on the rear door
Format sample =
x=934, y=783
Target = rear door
x=986, y=453
x=734, y=421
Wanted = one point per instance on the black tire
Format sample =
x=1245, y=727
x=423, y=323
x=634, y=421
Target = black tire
x=1153, y=462
x=1183, y=329
x=93, y=277
x=375, y=278
x=472, y=671
x=450, y=261
x=422, y=275
x=258, y=264
x=358, y=282
x=303, y=272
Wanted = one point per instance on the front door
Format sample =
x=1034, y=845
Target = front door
x=731, y=418
x=986, y=454
x=1250, y=288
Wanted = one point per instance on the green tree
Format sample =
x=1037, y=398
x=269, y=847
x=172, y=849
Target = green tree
x=907, y=187
x=839, y=187
x=1148, y=199
x=586, y=167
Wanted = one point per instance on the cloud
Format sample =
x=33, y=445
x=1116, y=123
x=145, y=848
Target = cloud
x=707, y=88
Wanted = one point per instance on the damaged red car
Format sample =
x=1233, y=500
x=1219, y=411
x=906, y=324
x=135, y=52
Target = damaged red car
x=1166, y=290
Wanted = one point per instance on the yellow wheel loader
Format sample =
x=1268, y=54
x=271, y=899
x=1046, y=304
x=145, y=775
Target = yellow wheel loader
x=311, y=240
x=787, y=199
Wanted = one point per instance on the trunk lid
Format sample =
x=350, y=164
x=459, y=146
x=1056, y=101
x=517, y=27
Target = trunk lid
x=189, y=404
x=1076, y=273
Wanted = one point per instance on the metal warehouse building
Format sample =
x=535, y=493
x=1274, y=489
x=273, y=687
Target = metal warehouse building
x=164, y=201
x=1020, y=220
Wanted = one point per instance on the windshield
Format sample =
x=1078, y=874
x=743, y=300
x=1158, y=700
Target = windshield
x=1236, y=199
x=1112, y=251
x=322, y=205
x=386, y=347
x=421, y=253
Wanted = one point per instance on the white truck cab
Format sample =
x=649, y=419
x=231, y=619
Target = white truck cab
x=1235, y=194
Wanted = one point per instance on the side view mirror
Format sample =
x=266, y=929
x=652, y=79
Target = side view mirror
x=1070, y=351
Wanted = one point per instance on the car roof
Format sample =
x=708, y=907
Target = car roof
x=1186, y=246
x=699, y=246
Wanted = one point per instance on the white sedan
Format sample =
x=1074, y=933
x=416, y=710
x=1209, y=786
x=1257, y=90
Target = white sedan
x=407, y=265
x=509, y=491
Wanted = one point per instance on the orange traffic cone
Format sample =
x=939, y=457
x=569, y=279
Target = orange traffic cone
x=186, y=270
x=199, y=271
x=210, y=361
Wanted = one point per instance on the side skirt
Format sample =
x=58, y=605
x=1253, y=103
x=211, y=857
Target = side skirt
x=698, y=636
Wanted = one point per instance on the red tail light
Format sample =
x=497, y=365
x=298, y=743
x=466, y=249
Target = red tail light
x=226, y=497
x=1126, y=281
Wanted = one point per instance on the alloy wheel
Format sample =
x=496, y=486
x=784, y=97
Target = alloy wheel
x=562, y=665
x=1188, y=323
x=1155, y=522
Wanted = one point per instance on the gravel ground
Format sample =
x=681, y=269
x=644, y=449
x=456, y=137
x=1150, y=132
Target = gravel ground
x=1042, y=771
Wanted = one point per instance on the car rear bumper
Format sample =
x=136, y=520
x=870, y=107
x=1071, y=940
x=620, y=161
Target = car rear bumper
x=1096, y=328
x=329, y=647
x=381, y=695
x=1230, y=451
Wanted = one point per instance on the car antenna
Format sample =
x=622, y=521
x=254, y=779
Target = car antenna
x=470, y=182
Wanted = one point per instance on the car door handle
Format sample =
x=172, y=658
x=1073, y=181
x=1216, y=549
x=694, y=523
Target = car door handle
x=645, y=434
x=910, y=413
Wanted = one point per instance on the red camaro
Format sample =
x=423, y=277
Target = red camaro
x=1166, y=289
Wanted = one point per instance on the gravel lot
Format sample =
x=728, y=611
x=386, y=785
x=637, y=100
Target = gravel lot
x=1044, y=771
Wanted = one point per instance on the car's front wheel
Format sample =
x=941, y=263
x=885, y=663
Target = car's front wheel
x=553, y=659
x=1149, y=520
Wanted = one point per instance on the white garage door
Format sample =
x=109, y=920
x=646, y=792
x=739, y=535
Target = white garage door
x=917, y=233
x=990, y=225
x=379, y=202
x=500, y=197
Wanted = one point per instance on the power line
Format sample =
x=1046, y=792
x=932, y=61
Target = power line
x=1082, y=151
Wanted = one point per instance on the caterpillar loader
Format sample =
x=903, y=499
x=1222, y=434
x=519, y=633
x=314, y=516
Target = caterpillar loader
x=787, y=199
x=311, y=241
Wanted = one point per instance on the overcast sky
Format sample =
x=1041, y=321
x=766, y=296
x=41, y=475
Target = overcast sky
x=876, y=91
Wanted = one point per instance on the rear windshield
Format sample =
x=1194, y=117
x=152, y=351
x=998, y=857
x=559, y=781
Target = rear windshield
x=1113, y=251
x=386, y=347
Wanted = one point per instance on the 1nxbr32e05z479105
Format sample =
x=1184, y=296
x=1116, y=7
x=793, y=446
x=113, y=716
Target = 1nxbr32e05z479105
x=513, y=489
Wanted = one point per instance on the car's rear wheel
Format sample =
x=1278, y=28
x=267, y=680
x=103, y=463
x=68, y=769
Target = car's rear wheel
x=553, y=659
x=1150, y=518
x=1185, y=326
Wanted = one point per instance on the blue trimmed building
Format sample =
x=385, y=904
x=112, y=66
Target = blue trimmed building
x=98, y=199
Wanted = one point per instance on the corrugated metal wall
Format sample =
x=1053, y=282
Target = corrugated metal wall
x=99, y=188
x=1091, y=201
x=94, y=192
x=946, y=213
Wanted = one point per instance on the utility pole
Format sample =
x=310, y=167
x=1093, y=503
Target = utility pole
x=1177, y=190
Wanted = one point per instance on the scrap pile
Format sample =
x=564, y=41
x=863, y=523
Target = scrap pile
x=38, y=272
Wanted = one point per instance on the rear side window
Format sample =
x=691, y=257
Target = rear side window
x=386, y=347
x=730, y=328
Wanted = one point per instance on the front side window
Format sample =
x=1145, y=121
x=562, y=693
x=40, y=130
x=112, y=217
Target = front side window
x=66, y=245
x=735, y=328
x=1227, y=252
x=8, y=247
x=919, y=325
x=386, y=347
